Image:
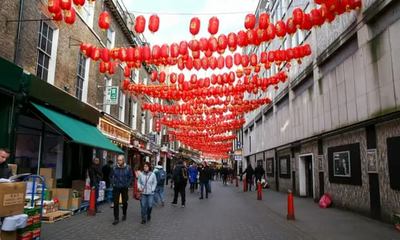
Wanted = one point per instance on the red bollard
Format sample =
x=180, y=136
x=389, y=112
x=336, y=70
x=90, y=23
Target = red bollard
x=259, y=196
x=244, y=185
x=237, y=181
x=290, y=215
x=92, y=202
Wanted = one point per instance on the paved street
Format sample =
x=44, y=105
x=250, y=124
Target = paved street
x=229, y=213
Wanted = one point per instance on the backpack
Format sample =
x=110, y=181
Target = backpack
x=161, y=175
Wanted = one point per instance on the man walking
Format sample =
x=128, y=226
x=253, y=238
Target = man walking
x=161, y=176
x=205, y=176
x=95, y=176
x=5, y=170
x=259, y=173
x=180, y=177
x=121, y=180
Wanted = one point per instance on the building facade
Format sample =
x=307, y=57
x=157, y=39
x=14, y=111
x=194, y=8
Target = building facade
x=333, y=127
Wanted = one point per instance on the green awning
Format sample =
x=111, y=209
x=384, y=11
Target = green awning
x=79, y=131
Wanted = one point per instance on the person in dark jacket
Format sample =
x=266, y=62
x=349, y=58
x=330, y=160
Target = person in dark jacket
x=180, y=177
x=121, y=179
x=205, y=176
x=5, y=170
x=249, y=175
x=259, y=173
x=95, y=176
x=106, y=170
x=224, y=173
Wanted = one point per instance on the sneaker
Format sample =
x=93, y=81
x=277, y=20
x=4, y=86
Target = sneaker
x=124, y=218
x=116, y=221
x=162, y=204
x=183, y=206
x=201, y=198
x=174, y=203
x=143, y=222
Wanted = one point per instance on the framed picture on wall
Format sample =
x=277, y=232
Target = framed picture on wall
x=341, y=163
x=284, y=167
x=372, y=160
x=320, y=163
x=270, y=167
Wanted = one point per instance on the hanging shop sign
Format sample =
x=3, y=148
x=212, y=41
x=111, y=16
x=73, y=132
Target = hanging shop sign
x=171, y=136
x=115, y=132
x=112, y=95
x=157, y=124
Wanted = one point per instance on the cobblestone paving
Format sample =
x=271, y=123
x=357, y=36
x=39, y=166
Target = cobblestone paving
x=227, y=214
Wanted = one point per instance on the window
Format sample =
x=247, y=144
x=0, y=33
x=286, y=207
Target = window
x=80, y=76
x=110, y=38
x=87, y=13
x=44, y=50
x=121, y=105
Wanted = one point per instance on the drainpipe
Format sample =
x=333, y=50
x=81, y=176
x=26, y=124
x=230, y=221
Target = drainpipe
x=18, y=37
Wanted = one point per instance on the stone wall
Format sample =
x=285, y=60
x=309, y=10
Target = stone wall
x=390, y=199
x=285, y=184
x=309, y=148
x=349, y=196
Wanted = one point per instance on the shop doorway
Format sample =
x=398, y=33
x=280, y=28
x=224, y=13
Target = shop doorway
x=306, y=175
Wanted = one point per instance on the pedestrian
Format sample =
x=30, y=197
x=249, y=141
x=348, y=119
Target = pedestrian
x=161, y=176
x=106, y=170
x=180, y=176
x=259, y=173
x=147, y=184
x=205, y=176
x=193, y=172
x=249, y=175
x=121, y=179
x=5, y=170
x=95, y=175
x=224, y=173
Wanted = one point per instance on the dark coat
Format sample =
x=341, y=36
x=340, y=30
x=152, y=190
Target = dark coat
x=205, y=174
x=5, y=171
x=95, y=174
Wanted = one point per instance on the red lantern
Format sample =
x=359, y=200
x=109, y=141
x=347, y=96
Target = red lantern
x=146, y=53
x=257, y=68
x=173, y=78
x=183, y=48
x=237, y=59
x=197, y=64
x=130, y=54
x=290, y=27
x=315, y=18
x=298, y=17
x=280, y=29
x=122, y=54
x=271, y=32
x=213, y=25
x=95, y=54
x=194, y=45
x=326, y=14
x=189, y=63
x=271, y=57
x=253, y=59
x=263, y=21
x=65, y=4
x=307, y=49
x=245, y=60
x=102, y=67
x=105, y=54
x=222, y=42
x=79, y=3
x=54, y=7
x=221, y=62
x=239, y=73
x=250, y=21
x=242, y=38
x=58, y=17
x=137, y=54
x=127, y=72
x=229, y=61
x=213, y=62
x=263, y=58
x=70, y=17
x=203, y=44
x=104, y=20
x=155, y=52
x=232, y=41
x=319, y=2
x=251, y=36
x=194, y=26
x=212, y=44
x=204, y=63
x=181, y=78
x=356, y=4
x=174, y=50
x=306, y=25
x=208, y=53
x=140, y=24
x=164, y=51
x=154, y=23
x=162, y=77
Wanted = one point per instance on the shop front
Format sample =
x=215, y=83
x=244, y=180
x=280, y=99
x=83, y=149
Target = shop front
x=138, y=155
x=119, y=134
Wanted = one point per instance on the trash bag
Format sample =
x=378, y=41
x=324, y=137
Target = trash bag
x=325, y=201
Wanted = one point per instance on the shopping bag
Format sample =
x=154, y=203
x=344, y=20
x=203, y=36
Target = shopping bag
x=138, y=195
x=325, y=201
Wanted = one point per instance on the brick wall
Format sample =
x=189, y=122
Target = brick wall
x=8, y=31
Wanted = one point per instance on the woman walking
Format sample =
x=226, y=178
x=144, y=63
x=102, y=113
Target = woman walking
x=147, y=184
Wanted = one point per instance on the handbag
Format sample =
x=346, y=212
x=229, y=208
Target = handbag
x=138, y=195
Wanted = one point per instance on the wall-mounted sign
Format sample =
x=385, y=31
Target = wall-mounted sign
x=112, y=95
x=372, y=160
x=157, y=124
x=238, y=157
x=114, y=132
x=171, y=136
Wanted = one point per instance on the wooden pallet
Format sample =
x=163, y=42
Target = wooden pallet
x=55, y=216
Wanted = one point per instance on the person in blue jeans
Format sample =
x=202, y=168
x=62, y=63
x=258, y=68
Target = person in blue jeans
x=205, y=176
x=161, y=176
x=95, y=175
x=147, y=183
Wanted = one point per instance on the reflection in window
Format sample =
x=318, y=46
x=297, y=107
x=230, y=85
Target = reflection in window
x=53, y=151
x=27, y=150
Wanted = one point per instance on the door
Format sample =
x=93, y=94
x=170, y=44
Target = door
x=309, y=176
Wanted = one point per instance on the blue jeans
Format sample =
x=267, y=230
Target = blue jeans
x=207, y=186
x=146, y=204
x=159, y=192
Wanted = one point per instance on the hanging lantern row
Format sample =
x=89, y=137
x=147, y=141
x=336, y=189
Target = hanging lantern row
x=340, y=5
x=207, y=138
x=187, y=91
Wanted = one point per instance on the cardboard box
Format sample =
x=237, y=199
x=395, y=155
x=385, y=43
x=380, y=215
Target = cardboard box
x=78, y=185
x=48, y=172
x=50, y=183
x=76, y=203
x=14, y=168
x=64, y=195
x=12, y=198
x=48, y=195
x=8, y=235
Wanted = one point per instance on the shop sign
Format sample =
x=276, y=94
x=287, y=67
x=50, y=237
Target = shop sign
x=171, y=136
x=238, y=157
x=153, y=138
x=157, y=124
x=115, y=132
x=112, y=95
x=239, y=144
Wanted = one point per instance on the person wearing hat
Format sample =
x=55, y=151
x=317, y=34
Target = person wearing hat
x=180, y=176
